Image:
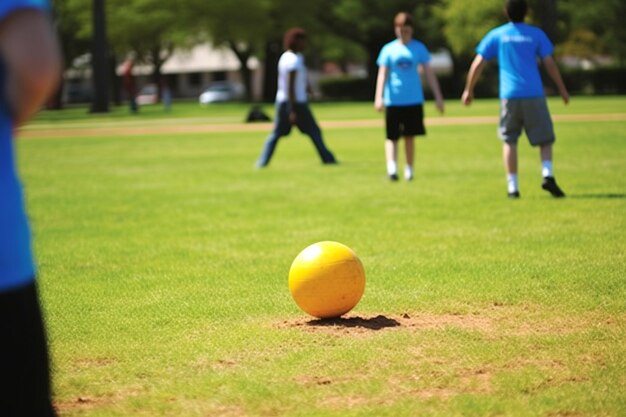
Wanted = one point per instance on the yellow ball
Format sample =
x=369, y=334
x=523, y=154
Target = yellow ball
x=327, y=279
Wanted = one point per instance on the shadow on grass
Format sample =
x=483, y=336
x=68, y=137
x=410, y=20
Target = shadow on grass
x=375, y=323
x=608, y=196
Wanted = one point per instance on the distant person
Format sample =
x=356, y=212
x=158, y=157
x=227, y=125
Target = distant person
x=128, y=80
x=166, y=92
x=30, y=68
x=399, y=92
x=292, y=106
x=517, y=46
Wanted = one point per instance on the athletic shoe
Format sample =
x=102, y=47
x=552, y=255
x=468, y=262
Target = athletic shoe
x=393, y=177
x=549, y=184
x=514, y=194
x=408, y=177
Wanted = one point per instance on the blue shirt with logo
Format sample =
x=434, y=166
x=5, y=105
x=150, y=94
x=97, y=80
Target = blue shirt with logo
x=517, y=46
x=16, y=260
x=403, y=86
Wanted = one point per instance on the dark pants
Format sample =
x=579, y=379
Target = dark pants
x=24, y=368
x=306, y=124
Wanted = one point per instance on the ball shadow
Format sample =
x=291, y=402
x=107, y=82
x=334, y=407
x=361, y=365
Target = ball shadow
x=375, y=323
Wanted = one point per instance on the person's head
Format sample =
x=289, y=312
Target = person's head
x=516, y=10
x=294, y=39
x=403, y=26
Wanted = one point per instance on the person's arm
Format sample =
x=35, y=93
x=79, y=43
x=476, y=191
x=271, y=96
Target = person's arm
x=291, y=95
x=472, y=77
x=433, y=83
x=380, y=86
x=29, y=48
x=553, y=71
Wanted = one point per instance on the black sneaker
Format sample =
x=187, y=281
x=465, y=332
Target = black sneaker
x=393, y=177
x=514, y=194
x=549, y=184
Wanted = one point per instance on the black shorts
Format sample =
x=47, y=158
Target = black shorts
x=404, y=121
x=24, y=368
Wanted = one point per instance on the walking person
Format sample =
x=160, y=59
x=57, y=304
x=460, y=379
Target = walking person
x=292, y=106
x=517, y=46
x=30, y=68
x=399, y=92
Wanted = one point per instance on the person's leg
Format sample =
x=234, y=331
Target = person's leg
x=409, y=149
x=307, y=125
x=540, y=132
x=509, y=155
x=391, y=157
x=545, y=152
x=393, y=130
x=509, y=130
x=24, y=368
x=282, y=127
x=549, y=183
x=412, y=120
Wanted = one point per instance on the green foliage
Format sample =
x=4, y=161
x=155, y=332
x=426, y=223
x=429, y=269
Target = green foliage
x=467, y=23
x=346, y=88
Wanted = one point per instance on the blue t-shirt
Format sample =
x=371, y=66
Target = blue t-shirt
x=403, y=86
x=517, y=46
x=16, y=261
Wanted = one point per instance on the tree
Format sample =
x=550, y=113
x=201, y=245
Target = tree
x=99, y=53
x=249, y=27
x=149, y=28
x=369, y=23
x=593, y=28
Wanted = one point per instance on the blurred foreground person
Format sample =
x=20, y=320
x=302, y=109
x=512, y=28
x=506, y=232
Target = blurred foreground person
x=30, y=67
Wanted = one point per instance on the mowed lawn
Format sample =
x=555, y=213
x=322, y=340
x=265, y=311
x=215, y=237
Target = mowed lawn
x=163, y=261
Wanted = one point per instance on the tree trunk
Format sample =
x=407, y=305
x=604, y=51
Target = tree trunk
x=99, y=60
x=273, y=49
x=246, y=75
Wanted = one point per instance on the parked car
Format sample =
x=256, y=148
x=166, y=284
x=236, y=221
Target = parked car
x=221, y=91
x=148, y=94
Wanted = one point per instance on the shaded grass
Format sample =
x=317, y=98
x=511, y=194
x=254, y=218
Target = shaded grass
x=163, y=265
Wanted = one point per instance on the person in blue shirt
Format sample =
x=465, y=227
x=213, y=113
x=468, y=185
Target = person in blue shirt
x=30, y=67
x=399, y=92
x=517, y=47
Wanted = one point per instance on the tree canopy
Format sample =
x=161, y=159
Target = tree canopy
x=339, y=29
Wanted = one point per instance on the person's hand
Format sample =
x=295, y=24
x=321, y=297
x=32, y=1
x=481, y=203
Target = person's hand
x=565, y=96
x=440, y=105
x=378, y=104
x=293, y=117
x=467, y=97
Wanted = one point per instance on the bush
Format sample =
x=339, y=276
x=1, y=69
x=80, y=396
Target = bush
x=347, y=88
x=610, y=80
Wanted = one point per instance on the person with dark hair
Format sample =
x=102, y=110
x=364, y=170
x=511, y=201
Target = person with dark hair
x=30, y=68
x=517, y=46
x=292, y=106
x=399, y=91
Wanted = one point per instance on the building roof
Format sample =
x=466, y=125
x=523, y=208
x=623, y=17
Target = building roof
x=200, y=58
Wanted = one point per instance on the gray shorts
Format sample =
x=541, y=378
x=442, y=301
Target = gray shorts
x=530, y=114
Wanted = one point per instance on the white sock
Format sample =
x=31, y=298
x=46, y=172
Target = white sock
x=546, y=169
x=511, y=180
x=392, y=168
x=408, y=172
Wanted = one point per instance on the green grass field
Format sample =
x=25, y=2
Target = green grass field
x=163, y=262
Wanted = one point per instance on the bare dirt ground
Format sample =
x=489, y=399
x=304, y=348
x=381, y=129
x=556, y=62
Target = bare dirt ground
x=178, y=126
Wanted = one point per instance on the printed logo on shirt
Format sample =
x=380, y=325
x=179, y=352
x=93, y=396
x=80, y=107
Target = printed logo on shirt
x=404, y=63
x=517, y=39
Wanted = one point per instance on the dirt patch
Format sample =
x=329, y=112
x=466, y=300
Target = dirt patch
x=362, y=324
x=180, y=126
